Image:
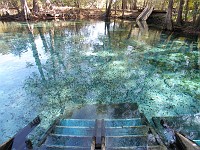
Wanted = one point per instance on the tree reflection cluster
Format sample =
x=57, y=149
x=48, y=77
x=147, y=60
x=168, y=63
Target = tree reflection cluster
x=70, y=75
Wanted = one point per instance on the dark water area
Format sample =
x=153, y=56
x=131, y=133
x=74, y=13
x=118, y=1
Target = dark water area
x=48, y=67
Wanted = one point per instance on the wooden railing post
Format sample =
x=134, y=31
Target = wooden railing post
x=103, y=140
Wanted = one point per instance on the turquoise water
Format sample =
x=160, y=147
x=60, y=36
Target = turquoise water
x=47, y=67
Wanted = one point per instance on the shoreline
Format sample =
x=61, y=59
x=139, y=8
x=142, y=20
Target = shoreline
x=98, y=14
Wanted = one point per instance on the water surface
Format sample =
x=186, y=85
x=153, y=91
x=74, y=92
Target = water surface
x=47, y=67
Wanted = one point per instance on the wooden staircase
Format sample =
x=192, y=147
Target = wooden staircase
x=103, y=133
x=72, y=134
x=145, y=13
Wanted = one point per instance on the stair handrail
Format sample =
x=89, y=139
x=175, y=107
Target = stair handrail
x=142, y=13
x=148, y=14
x=185, y=143
x=19, y=141
x=178, y=139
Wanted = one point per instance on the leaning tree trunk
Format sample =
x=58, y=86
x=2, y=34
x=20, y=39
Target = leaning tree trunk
x=168, y=24
x=179, y=19
x=25, y=10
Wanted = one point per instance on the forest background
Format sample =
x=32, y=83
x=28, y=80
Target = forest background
x=179, y=13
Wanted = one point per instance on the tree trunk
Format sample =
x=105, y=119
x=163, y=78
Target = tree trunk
x=163, y=5
x=133, y=4
x=195, y=12
x=145, y=3
x=78, y=3
x=123, y=8
x=107, y=5
x=25, y=10
x=48, y=5
x=179, y=20
x=108, y=11
x=197, y=23
x=124, y=4
x=115, y=8
x=35, y=6
x=168, y=24
x=186, y=10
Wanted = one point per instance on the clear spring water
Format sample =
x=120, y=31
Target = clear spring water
x=48, y=66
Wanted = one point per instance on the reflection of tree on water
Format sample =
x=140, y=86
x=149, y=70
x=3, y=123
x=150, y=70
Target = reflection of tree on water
x=130, y=32
x=56, y=88
x=143, y=26
x=100, y=73
x=177, y=63
x=35, y=52
x=15, y=39
x=43, y=39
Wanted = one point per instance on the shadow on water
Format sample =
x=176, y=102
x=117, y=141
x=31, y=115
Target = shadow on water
x=78, y=63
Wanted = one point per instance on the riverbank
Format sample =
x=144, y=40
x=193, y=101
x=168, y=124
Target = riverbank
x=77, y=13
x=65, y=13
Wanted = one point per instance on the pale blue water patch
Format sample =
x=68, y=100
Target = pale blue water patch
x=16, y=108
x=50, y=66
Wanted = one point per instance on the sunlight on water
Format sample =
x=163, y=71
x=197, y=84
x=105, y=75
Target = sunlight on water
x=48, y=67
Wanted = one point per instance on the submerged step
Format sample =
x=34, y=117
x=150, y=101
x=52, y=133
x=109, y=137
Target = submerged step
x=56, y=140
x=123, y=122
x=77, y=122
x=66, y=148
x=123, y=131
x=109, y=111
x=126, y=141
x=137, y=148
x=78, y=131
